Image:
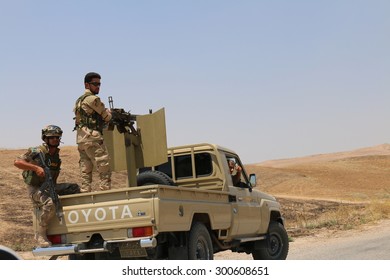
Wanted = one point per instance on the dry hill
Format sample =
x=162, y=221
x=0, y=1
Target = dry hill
x=357, y=176
x=322, y=192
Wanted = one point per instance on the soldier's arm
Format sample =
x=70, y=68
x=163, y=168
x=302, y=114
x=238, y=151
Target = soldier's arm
x=24, y=162
x=98, y=106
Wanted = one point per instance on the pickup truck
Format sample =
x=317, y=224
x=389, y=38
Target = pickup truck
x=184, y=208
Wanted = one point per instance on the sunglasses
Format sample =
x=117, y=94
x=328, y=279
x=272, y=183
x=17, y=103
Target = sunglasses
x=53, y=137
x=96, y=84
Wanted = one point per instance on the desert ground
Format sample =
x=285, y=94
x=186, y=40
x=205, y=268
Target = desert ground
x=318, y=193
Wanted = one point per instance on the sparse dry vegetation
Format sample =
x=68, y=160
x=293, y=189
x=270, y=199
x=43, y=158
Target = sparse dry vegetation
x=324, y=193
x=329, y=192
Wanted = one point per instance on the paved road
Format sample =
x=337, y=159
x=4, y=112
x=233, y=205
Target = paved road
x=368, y=243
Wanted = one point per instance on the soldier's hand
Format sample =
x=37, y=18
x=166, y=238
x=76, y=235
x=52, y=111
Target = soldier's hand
x=40, y=171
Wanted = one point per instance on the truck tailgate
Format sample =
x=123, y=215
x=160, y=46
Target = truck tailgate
x=108, y=210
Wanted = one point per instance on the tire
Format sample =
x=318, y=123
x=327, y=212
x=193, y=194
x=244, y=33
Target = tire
x=8, y=254
x=275, y=247
x=200, y=246
x=154, y=177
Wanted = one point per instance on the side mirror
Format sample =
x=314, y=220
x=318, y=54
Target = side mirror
x=252, y=180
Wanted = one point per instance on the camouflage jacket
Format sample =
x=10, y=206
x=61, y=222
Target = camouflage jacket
x=32, y=156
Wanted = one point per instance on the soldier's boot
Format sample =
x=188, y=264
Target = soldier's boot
x=41, y=238
x=85, y=190
x=105, y=185
x=85, y=187
x=105, y=181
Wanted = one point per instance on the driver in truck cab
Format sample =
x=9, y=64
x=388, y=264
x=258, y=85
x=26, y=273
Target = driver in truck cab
x=235, y=171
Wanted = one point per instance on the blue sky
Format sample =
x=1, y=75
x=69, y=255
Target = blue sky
x=268, y=79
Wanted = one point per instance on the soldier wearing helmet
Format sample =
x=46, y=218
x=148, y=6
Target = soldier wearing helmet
x=90, y=117
x=34, y=177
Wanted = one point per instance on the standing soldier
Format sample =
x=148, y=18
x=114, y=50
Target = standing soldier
x=90, y=117
x=34, y=177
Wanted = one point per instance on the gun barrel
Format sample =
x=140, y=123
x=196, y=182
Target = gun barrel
x=111, y=102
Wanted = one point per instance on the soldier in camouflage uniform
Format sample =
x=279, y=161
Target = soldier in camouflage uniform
x=90, y=117
x=34, y=177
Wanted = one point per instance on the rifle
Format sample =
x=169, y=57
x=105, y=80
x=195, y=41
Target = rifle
x=49, y=188
x=123, y=120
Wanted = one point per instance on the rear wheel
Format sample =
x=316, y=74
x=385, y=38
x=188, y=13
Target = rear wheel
x=200, y=246
x=275, y=247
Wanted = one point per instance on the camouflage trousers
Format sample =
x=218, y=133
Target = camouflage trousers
x=43, y=202
x=94, y=154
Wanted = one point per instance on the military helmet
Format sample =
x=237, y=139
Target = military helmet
x=51, y=130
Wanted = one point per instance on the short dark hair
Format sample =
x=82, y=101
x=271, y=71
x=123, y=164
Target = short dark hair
x=91, y=75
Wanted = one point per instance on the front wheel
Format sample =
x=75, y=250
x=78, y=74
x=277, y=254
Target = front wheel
x=275, y=247
x=200, y=246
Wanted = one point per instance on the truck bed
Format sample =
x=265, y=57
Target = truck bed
x=166, y=207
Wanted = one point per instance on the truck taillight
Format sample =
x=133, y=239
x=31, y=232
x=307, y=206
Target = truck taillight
x=141, y=232
x=56, y=239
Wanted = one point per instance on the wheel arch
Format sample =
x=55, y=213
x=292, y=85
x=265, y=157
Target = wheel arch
x=276, y=216
x=203, y=218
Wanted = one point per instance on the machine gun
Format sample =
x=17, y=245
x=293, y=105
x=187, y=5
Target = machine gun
x=48, y=187
x=124, y=121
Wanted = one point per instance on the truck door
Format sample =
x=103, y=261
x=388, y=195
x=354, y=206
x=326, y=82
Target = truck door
x=245, y=205
x=245, y=211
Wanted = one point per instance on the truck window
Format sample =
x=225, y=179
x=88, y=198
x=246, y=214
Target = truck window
x=237, y=172
x=203, y=164
x=183, y=166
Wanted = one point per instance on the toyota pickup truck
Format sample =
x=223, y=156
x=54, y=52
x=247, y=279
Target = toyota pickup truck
x=184, y=207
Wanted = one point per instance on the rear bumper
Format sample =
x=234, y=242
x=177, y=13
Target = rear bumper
x=55, y=250
x=148, y=242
